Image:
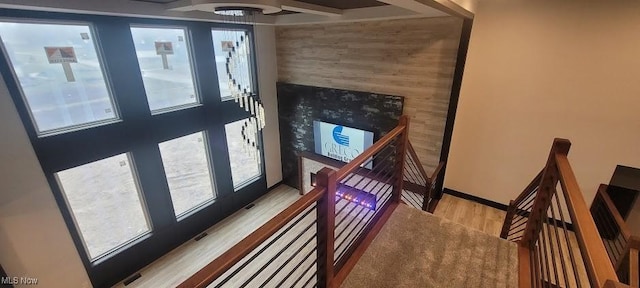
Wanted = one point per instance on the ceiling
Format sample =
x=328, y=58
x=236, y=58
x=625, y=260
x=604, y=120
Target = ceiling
x=345, y=4
x=338, y=4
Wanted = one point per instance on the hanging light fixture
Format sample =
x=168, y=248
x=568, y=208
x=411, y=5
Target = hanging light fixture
x=239, y=79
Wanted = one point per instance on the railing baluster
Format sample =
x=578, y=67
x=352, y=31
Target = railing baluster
x=545, y=241
x=560, y=250
x=255, y=274
x=537, y=267
x=288, y=260
x=280, y=284
x=568, y=243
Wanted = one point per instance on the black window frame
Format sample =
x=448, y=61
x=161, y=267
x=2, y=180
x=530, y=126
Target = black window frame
x=138, y=133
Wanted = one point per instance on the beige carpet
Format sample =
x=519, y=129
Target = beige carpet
x=417, y=249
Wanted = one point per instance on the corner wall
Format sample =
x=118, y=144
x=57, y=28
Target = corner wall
x=542, y=69
x=265, y=38
x=413, y=58
x=34, y=239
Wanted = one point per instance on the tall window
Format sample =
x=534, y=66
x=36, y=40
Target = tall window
x=60, y=74
x=129, y=121
x=165, y=63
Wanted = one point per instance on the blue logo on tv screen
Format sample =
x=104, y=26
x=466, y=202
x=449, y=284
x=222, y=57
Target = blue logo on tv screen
x=339, y=138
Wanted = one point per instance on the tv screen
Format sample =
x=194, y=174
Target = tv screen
x=340, y=142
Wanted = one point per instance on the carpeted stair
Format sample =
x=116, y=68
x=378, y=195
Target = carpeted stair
x=418, y=249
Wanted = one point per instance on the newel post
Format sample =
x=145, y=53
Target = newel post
x=546, y=190
x=326, y=213
x=511, y=210
x=402, y=143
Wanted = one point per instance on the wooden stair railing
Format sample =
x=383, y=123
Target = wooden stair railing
x=536, y=221
x=419, y=187
x=340, y=238
x=621, y=245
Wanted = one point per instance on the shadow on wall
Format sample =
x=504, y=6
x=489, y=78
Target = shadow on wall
x=299, y=106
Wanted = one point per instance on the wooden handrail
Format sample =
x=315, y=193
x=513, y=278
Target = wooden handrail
x=529, y=189
x=596, y=259
x=375, y=148
x=224, y=262
x=415, y=158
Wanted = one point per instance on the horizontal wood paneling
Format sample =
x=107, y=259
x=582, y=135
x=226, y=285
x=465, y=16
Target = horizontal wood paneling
x=413, y=58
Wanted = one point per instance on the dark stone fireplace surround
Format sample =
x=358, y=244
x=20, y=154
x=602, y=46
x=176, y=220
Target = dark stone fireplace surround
x=299, y=106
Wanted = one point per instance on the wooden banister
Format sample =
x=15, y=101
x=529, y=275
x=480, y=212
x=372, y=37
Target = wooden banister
x=326, y=227
x=529, y=189
x=614, y=284
x=634, y=266
x=597, y=262
x=375, y=148
x=224, y=262
x=414, y=156
x=546, y=186
x=524, y=267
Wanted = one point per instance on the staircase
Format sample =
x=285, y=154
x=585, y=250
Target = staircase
x=354, y=230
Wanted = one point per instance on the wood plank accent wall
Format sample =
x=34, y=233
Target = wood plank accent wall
x=414, y=58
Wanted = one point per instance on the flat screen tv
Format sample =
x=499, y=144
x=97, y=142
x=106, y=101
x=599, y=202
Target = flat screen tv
x=340, y=142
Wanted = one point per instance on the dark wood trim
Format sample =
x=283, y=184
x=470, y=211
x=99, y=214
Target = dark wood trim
x=473, y=198
x=508, y=220
x=274, y=186
x=494, y=204
x=346, y=268
x=456, y=86
x=224, y=262
x=429, y=201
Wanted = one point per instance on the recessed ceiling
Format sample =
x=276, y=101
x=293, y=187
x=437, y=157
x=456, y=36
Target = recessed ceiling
x=337, y=4
x=345, y=4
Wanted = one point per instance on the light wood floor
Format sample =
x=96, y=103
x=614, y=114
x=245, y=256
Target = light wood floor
x=179, y=264
x=471, y=214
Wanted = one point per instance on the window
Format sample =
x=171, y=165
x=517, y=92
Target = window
x=105, y=202
x=243, y=156
x=60, y=74
x=186, y=166
x=232, y=47
x=165, y=63
x=140, y=173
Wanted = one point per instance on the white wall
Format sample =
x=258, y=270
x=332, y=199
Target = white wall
x=543, y=69
x=34, y=240
x=265, y=38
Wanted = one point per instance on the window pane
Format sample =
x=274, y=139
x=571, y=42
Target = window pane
x=105, y=203
x=244, y=157
x=59, y=72
x=186, y=165
x=232, y=47
x=165, y=63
